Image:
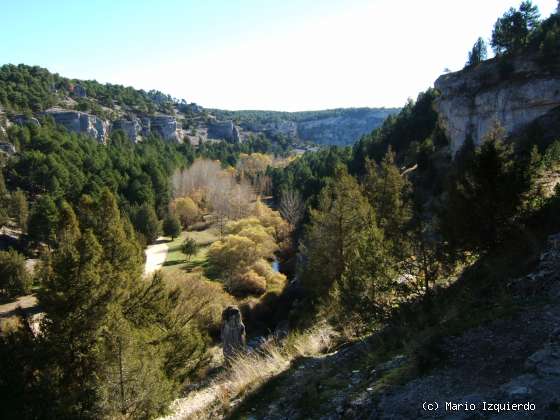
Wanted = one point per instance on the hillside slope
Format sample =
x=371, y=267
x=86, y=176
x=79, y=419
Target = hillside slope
x=510, y=358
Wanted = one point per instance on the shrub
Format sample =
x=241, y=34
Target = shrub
x=249, y=282
x=14, y=278
x=190, y=247
x=186, y=210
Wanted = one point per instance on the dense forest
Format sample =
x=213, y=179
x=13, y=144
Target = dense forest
x=254, y=116
x=388, y=236
x=34, y=89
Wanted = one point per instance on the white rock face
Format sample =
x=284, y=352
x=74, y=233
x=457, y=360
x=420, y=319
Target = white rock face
x=132, y=128
x=166, y=127
x=81, y=122
x=472, y=100
x=225, y=130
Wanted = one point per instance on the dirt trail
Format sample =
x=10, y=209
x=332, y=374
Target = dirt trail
x=156, y=255
x=25, y=302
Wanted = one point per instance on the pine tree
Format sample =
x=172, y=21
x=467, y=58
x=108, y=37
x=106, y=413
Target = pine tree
x=147, y=223
x=15, y=280
x=171, y=226
x=4, y=201
x=76, y=298
x=43, y=220
x=478, y=54
x=364, y=292
x=484, y=196
x=20, y=209
x=387, y=192
x=116, y=236
x=335, y=228
x=511, y=31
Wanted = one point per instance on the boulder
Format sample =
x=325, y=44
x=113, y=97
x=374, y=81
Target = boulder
x=233, y=332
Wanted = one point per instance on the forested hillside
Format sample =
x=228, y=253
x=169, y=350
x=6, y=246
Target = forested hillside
x=26, y=90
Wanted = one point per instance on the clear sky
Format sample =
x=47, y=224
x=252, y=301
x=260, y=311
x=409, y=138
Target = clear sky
x=287, y=55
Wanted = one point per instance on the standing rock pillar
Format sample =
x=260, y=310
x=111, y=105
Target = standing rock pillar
x=233, y=331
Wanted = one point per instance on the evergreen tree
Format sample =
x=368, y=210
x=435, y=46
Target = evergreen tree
x=146, y=222
x=76, y=298
x=334, y=230
x=43, y=220
x=364, y=292
x=116, y=346
x=118, y=241
x=171, y=226
x=14, y=278
x=485, y=195
x=4, y=201
x=511, y=31
x=387, y=192
x=478, y=54
x=20, y=209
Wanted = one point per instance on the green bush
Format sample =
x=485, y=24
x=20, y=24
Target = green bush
x=14, y=278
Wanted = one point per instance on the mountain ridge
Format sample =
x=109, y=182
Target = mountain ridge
x=29, y=91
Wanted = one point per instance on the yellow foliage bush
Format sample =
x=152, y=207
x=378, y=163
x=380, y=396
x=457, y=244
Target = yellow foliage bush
x=272, y=220
x=186, y=210
x=241, y=257
x=203, y=298
x=248, y=282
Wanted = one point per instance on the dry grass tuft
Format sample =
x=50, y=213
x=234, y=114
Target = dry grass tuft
x=247, y=371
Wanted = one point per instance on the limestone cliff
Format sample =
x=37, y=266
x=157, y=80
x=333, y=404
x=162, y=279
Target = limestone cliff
x=341, y=127
x=81, y=122
x=166, y=127
x=514, y=93
x=98, y=128
x=131, y=127
x=223, y=130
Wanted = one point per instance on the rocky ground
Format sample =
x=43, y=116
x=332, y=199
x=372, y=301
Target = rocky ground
x=513, y=360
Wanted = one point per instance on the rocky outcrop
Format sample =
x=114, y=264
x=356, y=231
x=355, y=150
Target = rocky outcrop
x=132, y=128
x=165, y=126
x=81, y=122
x=282, y=127
x=24, y=120
x=79, y=91
x=7, y=148
x=223, y=130
x=146, y=126
x=338, y=127
x=341, y=130
x=233, y=331
x=513, y=93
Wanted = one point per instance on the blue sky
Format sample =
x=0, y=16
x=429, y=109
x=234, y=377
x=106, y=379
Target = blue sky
x=247, y=54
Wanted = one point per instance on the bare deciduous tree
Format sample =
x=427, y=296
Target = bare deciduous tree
x=222, y=195
x=292, y=207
